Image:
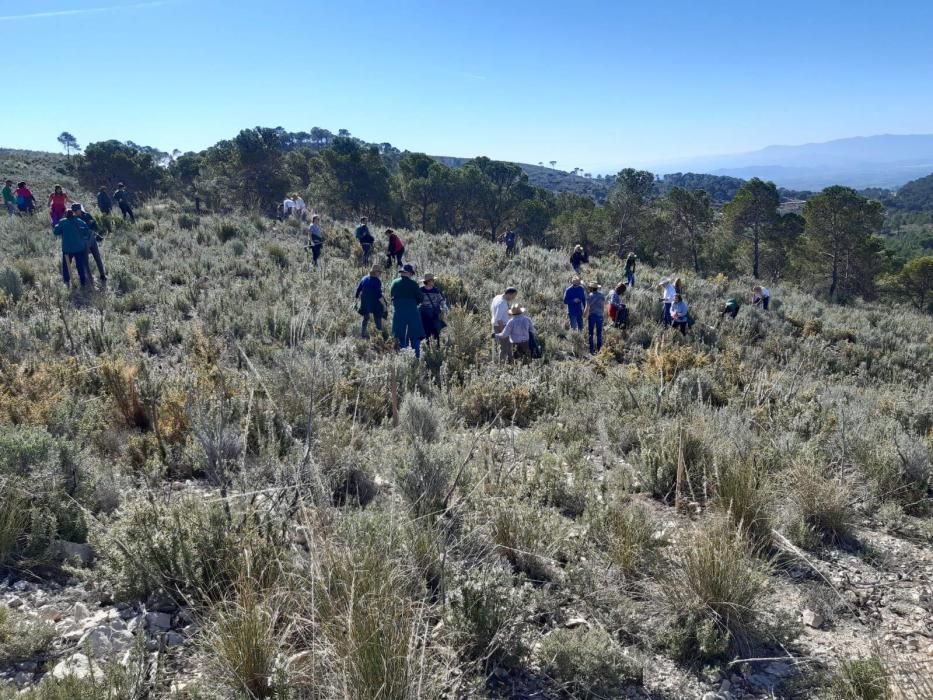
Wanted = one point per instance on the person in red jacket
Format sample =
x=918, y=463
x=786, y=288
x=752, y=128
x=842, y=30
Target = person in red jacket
x=58, y=203
x=395, y=249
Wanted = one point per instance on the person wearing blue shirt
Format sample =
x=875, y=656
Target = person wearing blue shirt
x=680, y=314
x=75, y=237
x=575, y=300
x=369, y=292
x=510, y=240
x=365, y=239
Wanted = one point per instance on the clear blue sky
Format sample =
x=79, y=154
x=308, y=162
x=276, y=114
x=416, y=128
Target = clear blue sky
x=589, y=84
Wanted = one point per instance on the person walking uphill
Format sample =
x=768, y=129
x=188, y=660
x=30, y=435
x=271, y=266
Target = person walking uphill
x=369, y=293
x=432, y=309
x=94, y=238
x=75, y=239
x=517, y=333
x=58, y=203
x=9, y=199
x=499, y=309
x=122, y=198
x=406, y=318
x=395, y=249
x=511, y=238
x=25, y=200
x=575, y=301
x=365, y=239
x=577, y=258
x=315, y=239
x=630, y=269
x=595, y=315
x=104, y=203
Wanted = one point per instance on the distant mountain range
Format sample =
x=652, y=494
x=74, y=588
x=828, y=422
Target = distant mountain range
x=866, y=161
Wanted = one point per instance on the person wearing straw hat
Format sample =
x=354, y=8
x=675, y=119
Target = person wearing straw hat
x=406, y=318
x=432, y=309
x=595, y=314
x=517, y=333
x=372, y=302
x=575, y=301
x=667, y=292
x=577, y=258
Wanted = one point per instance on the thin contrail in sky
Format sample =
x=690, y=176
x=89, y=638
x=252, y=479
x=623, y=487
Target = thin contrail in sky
x=85, y=11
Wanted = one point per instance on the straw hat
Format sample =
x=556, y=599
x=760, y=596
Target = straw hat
x=516, y=310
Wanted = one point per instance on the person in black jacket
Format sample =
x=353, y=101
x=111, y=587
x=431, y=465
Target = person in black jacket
x=104, y=203
x=365, y=239
x=94, y=239
x=122, y=198
x=578, y=257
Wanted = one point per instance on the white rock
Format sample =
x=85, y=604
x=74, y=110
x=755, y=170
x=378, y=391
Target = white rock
x=104, y=641
x=158, y=621
x=21, y=586
x=23, y=678
x=78, y=665
x=812, y=619
x=15, y=602
x=80, y=612
x=575, y=622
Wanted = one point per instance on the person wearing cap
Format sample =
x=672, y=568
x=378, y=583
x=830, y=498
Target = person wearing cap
x=578, y=257
x=365, y=239
x=406, y=319
x=75, y=237
x=680, y=314
x=499, y=308
x=510, y=238
x=372, y=302
x=575, y=301
x=104, y=203
x=667, y=292
x=618, y=312
x=9, y=199
x=58, y=203
x=315, y=239
x=395, y=249
x=517, y=333
x=122, y=198
x=595, y=315
x=762, y=296
x=630, y=269
x=93, y=240
x=432, y=309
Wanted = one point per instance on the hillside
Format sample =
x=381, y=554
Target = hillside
x=276, y=507
x=42, y=169
x=886, y=161
x=551, y=179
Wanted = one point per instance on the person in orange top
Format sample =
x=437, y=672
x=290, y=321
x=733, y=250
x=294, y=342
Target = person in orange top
x=58, y=202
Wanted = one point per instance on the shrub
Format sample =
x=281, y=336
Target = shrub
x=587, y=662
x=187, y=222
x=278, y=254
x=861, y=679
x=191, y=549
x=11, y=284
x=504, y=400
x=22, y=638
x=226, y=231
x=714, y=593
x=741, y=497
x=147, y=227
x=818, y=509
x=626, y=532
x=144, y=251
x=426, y=476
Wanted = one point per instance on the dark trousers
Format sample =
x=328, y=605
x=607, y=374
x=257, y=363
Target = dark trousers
x=127, y=211
x=397, y=257
x=80, y=263
x=377, y=319
x=576, y=319
x=521, y=350
x=731, y=312
x=595, y=328
x=666, y=318
x=764, y=301
x=509, y=250
x=94, y=249
x=315, y=253
x=367, y=252
x=681, y=326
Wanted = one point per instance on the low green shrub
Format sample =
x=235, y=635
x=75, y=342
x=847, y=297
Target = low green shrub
x=588, y=662
x=627, y=533
x=861, y=679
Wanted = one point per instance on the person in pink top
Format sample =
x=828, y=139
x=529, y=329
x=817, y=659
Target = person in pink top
x=58, y=203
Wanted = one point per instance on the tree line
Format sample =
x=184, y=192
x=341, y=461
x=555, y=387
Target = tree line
x=831, y=246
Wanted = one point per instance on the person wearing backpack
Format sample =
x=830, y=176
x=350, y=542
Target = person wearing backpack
x=395, y=249
x=365, y=239
x=315, y=239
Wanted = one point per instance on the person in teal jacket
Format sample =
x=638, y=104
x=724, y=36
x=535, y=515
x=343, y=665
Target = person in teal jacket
x=406, y=319
x=76, y=238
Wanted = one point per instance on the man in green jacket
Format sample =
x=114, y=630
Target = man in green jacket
x=406, y=318
x=76, y=237
x=9, y=199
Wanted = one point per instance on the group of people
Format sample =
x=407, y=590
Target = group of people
x=294, y=205
x=23, y=202
x=80, y=237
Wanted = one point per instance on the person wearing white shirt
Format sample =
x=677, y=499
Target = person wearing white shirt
x=499, y=310
x=300, y=207
x=287, y=206
x=762, y=296
x=667, y=292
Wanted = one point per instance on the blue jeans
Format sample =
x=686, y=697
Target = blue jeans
x=80, y=263
x=95, y=253
x=666, y=320
x=576, y=319
x=595, y=325
x=10, y=208
x=630, y=279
